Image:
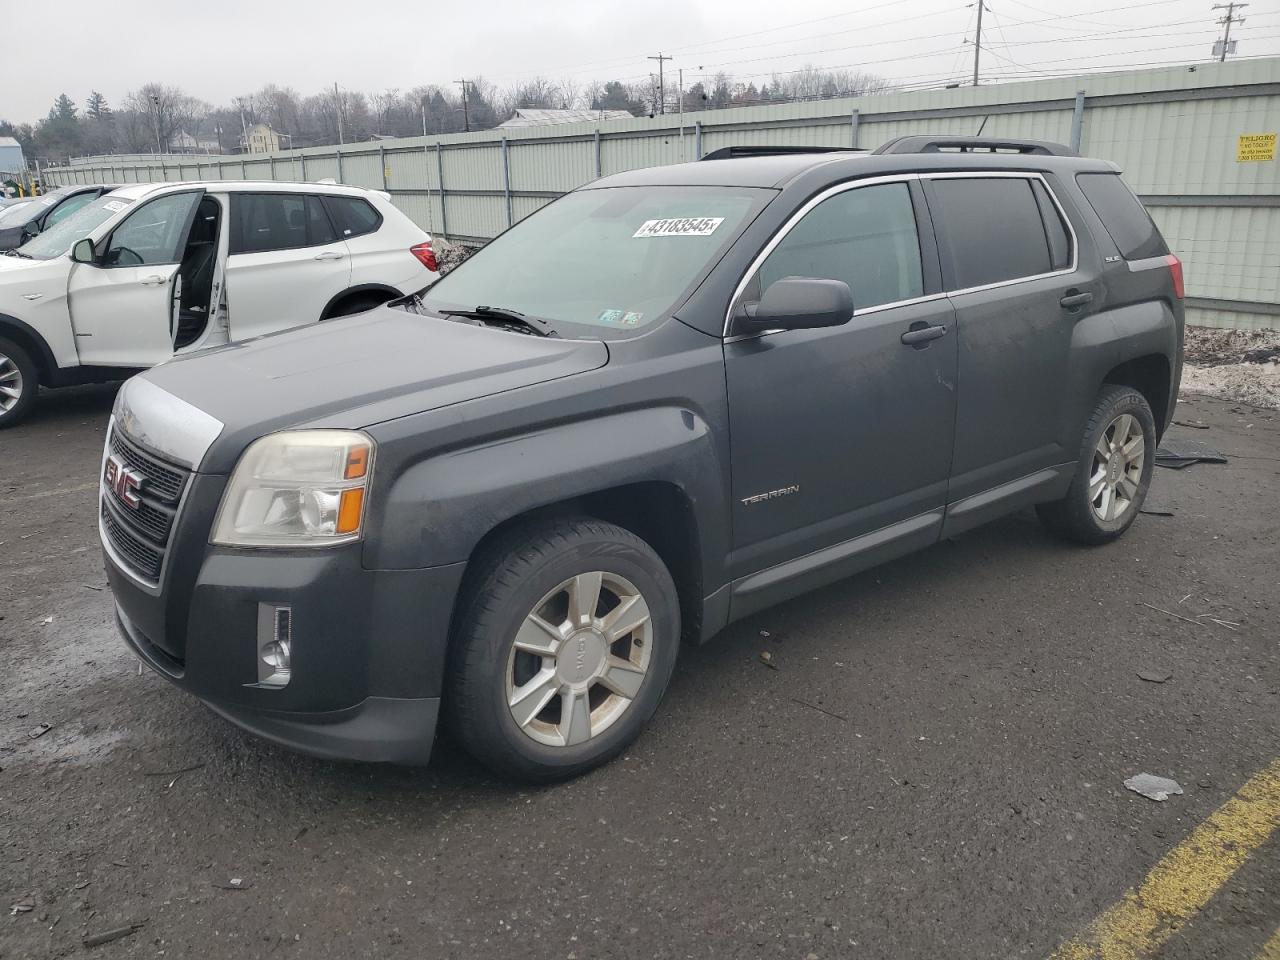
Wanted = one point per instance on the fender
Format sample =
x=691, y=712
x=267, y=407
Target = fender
x=392, y=292
x=440, y=508
x=26, y=335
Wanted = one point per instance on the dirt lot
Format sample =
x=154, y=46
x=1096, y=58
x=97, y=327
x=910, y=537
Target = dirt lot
x=934, y=769
x=1241, y=365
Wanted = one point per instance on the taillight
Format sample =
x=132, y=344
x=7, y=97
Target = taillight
x=1175, y=271
x=427, y=257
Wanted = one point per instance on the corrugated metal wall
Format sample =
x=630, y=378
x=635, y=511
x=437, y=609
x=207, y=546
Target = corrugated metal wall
x=1173, y=130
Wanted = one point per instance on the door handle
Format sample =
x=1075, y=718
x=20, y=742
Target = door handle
x=152, y=281
x=330, y=255
x=1077, y=299
x=920, y=335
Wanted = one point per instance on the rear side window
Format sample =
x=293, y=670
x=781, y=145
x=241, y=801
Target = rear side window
x=866, y=237
x=352, y=216
x=277, y=221
x=991, y=230
x=1124, y=216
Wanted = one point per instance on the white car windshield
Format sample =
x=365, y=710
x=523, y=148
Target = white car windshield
x=61, y=237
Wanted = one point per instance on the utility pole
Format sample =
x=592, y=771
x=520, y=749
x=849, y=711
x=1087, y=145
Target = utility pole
x=1226, y=22
x=977, y=43
x=244, y=127
x=337, y=108
x=466, y=113
x=155, y=120
x=662, y=89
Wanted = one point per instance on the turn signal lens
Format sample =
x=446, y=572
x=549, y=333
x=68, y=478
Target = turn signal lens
x=349, y=511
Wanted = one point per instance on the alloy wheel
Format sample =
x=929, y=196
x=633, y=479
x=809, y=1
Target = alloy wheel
x=579, y=658
x=10, y=384
x=1116, y=476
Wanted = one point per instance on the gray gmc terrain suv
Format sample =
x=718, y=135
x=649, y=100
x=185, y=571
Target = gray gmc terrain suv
x=665, y=401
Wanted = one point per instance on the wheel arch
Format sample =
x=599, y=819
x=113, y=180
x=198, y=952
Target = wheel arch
x=25, y=336
x=1150, y=375
x=357, y=291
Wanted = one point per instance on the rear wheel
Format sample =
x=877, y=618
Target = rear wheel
x=18, y=383
x=565, y=648
x=1111, y=481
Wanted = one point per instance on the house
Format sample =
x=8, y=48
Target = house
x=260, y=138
x=11, y=158
x=185, y=143
x=537, y=118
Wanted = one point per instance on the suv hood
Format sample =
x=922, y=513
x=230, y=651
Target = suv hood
x=352, y=372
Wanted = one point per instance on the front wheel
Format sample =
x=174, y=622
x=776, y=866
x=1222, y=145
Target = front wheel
x=18, y=383
x=565, y=647
x=1114, y=472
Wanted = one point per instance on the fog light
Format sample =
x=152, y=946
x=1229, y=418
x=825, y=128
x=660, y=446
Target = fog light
x=275, y=643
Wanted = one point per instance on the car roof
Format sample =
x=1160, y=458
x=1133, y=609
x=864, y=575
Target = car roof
x=780, y=170
x=136, y=191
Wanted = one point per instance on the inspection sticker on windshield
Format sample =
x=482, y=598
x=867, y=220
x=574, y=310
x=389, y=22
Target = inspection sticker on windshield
x=115, y=206
x=679, y=227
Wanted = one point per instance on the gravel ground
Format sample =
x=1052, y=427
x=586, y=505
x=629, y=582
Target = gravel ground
x=1239, y=365
x=933, y=769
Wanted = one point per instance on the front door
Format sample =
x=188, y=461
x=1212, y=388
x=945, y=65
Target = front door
x=122, y=306
x=285, y=262
x=842, y=431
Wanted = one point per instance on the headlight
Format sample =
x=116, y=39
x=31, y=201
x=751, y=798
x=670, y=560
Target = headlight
x=304, y=488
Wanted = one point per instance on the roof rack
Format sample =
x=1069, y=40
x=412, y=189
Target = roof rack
x=928, y=144
x=737, y=153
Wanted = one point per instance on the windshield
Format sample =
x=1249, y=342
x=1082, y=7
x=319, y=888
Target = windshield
x=612, y=260
x=61, y=237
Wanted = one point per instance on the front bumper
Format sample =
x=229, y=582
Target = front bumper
x=368, y=649
x=386, y=729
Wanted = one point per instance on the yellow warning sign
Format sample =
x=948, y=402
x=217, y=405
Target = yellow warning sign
x=1255, y=146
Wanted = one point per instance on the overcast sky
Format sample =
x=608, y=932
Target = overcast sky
x=221, y=50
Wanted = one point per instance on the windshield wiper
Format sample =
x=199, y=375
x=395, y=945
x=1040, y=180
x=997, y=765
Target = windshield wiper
x=18, y=253
x=506, y=318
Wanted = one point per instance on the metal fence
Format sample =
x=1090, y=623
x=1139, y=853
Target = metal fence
x=1177, y=133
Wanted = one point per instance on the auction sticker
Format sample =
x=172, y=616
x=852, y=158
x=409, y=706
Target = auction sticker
x=679, y=227
x=115, y=206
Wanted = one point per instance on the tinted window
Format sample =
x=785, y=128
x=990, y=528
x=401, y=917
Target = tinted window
x=155, y=233
x=990, y=230
x=277, y=221
x=352, y=216
x=1123, y=215
x=1054, y=229
x=865, y=237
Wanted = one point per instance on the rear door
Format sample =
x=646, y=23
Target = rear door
x=285, y=262
x=122, y=307
x=1009, y=261
x=841, y=431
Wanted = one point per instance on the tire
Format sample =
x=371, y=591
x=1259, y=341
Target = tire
x=17, y=373
x=358, y=303
x=530, y=573
x=1120, y=482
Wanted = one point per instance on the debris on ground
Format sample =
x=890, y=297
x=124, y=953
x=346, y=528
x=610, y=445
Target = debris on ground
x=1193, y=424
x=1177, y=454
x=1155, y=676
x=767, y=659
x=39, y=731
x=1156, y=512
x=235, y=883
x=1241, y=365
x=107, y=936
x=814, y=706
x=1153, y=787
x=449, y=255
x=22, y=906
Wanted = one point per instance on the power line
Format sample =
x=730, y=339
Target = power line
x=662, y=86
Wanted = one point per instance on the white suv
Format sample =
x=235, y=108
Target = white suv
x=153, y=270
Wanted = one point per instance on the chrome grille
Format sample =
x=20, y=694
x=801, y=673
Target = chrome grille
x=140, y=534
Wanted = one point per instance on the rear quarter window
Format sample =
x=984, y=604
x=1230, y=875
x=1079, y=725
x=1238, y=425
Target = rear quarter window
x=1126, y=219
x=352, y=216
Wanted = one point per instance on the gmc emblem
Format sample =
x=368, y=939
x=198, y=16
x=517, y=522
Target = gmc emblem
x=125, y=483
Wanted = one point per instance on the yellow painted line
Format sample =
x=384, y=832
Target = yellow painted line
x=1271, y=949
x=1185, y=878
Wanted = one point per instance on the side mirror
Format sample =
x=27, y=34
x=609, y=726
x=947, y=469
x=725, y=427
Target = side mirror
x=797, y=303
x=83, y=251
x=29, y=231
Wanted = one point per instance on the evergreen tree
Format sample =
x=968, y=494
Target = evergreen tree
x=64, y=108
x=96, y=107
